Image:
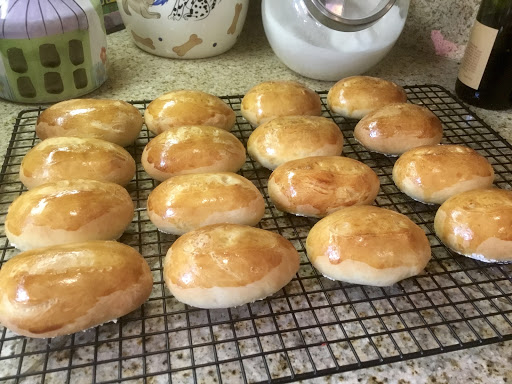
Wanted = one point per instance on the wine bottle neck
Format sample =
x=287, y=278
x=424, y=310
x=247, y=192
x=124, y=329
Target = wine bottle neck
x=495, y=13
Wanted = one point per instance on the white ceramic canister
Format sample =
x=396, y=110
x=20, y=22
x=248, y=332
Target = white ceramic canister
x=184, y=29
x=313, y=39
x=51, y=50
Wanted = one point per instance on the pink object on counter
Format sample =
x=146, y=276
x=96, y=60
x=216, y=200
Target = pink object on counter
x=443, y=47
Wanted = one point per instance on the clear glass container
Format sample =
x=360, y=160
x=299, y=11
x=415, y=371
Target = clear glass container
x=333, y=39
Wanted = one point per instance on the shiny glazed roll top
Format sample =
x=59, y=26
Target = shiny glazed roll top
x=58, y=290
x=271, y=99
x=65, y=158
x=188, y=107
x=68, y=211
x=317, y=186
x=184, y=203
x=192, y=149
x=368, y=245
x=289, y=138
x=111, y=120
x=396, y=128
x=227, y=265
x=356, y=96
x=434, y=173
x=477, y=224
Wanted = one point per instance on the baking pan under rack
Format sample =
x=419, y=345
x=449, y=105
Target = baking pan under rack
x=313, y=326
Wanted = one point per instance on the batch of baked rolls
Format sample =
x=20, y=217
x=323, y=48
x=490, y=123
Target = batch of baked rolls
x=73, y=275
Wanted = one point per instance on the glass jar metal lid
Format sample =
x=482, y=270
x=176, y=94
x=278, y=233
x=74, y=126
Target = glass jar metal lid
x=348, y=15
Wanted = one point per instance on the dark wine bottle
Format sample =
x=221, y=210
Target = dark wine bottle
x=485, y=73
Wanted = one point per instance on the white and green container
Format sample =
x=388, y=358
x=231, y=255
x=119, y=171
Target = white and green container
x=51, y=50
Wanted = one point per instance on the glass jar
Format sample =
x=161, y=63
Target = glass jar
x=332, y=39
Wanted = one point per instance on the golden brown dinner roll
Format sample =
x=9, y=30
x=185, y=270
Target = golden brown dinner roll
x=396, y=128
x=318, y=186
x=477, y=224
x=271, y=99
x=192, y=149
x=63, y=158
x=111, y=120
x=356, y=96
x=433, y=173
x=294, y=137
x=58, y=290
x=183, y=203
x=367, y=245
x=185, y=107
x=68, y=211
x=226, y=265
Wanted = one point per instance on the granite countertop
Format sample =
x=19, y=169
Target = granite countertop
x=137, y=75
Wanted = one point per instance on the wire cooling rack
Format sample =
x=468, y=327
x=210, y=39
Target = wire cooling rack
x=312, y=327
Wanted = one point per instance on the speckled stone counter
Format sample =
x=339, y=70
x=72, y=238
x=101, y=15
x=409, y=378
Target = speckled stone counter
x=136, y=75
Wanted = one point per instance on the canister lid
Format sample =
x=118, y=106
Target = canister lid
x=348, y=15
x=25, y=19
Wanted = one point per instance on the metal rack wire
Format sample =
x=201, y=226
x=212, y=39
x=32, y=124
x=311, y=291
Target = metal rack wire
x=314, y=326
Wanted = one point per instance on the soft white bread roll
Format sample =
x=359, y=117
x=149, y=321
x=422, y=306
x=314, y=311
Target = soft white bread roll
x=434, y=173
x=272, y=99
x=318, y=186
x=294, y=137
x=192, y=149
x=477, y=224
x=226, y=265
x=368, y=245
x=396, y=128
x=68, y=211
x=356, y=96
x=111, y=120
x=185, y=107
x=59, y=290
x=64, y=158
x=184, y=203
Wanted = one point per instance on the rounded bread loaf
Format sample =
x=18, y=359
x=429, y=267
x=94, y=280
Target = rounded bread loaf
x=68, y=211
x=294, y=137
x=395, y=128
x=318, y=186
x=112, y=120
x=186, y=202
x=227, y=265
x=477, y=224
x=271, y=99
x=368, y=245
x=188, y=107
x=59, y=290
x=432, y=174
x=192, y=149
x=356, y=96
x=64, y=158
